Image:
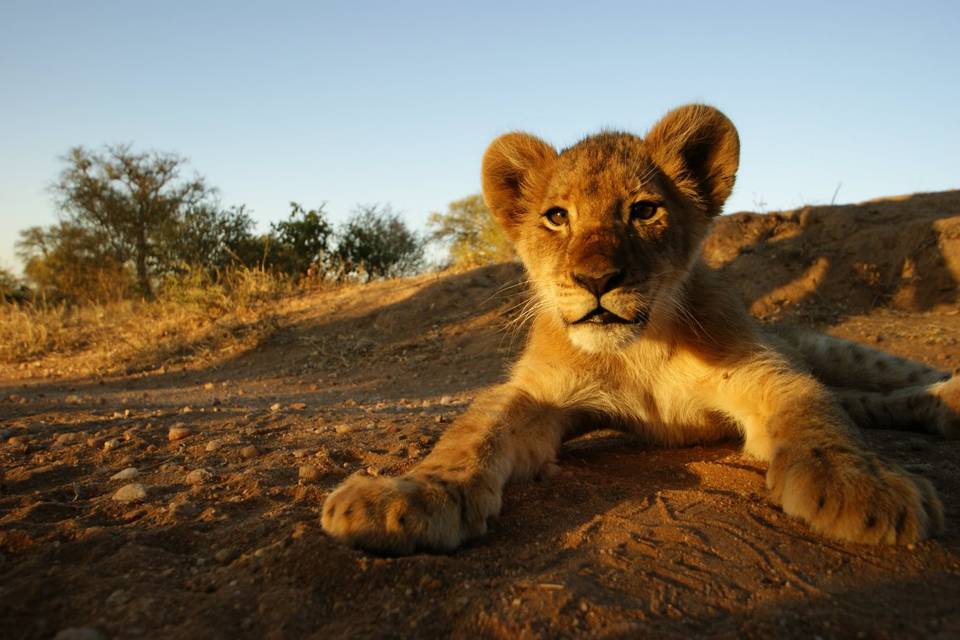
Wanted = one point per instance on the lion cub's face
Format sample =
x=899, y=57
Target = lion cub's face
x=609, y=228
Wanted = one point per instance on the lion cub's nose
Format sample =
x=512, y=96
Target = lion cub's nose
x=599, y=284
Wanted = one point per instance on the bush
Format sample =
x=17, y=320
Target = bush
x=376, y=243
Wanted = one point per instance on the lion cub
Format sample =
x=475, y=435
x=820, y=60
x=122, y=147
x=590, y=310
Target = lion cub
x=634, y=332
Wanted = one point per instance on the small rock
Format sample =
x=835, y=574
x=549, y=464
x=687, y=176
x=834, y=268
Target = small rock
x=67, y=439
x=399, y=450
x=249, y=452
x=300, y=453
x=275, y=407
x=186, y=410
x=212, y=446
x=373, y=471
x=413, y=452
x=440, y=418
x=429, y=582
x=73, y=399
x=179, y=431
x=224, y=555
x=111, y=444
x=343, y=428
x=298, y=406
x=198, y=476
x=446, y=400
x=79, y=633
x=208, y=386
x=308, y=473
x=130, y=473
x=135, y=492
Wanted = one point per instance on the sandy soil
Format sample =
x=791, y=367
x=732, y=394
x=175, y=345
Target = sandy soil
x=626, y=541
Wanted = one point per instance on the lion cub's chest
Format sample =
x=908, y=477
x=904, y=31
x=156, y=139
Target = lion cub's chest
x=666, y=405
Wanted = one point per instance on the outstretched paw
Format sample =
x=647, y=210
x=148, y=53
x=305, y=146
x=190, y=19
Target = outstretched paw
x=854, y=495
x=406, y=514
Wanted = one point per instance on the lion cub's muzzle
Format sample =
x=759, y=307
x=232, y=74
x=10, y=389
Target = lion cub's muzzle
x=600, y=315
x=604, y=287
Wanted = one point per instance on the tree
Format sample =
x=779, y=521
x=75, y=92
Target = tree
x=211, y=237
x=300, y=241
x=475, y=237
x=74, y=263
x=132, y=201
x=11, y=289
x=376, y=243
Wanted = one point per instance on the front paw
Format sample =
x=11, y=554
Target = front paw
x=395, y=515
x=853, y=495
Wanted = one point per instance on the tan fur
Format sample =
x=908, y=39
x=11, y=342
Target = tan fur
x=670, y=354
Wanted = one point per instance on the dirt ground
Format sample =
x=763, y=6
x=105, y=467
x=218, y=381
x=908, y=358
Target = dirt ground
x=627, y=541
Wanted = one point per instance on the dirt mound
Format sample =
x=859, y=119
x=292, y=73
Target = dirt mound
x=235, y=453
x=821, y=262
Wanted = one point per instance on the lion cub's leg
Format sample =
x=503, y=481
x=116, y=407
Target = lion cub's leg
x=879, y=390
x=844, y=364
x=934, y=408
x=819, y=470
x=448, y=497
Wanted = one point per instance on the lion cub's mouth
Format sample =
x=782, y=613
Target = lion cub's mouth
x=603, y=316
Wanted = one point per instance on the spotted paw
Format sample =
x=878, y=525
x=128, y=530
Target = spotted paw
x=853, y=495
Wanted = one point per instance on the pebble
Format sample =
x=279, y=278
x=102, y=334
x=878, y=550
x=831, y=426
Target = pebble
x=73, y=399
x=178, y=431
x=130, y=473
x=308, y=473
x=446, y=400
x=249, y=452
x=224, y=555
x=131, y=493
x=198, y=476
x=79, y=633
x=111, y=444
x=343, y=428
x=275, y=407
x=298, y=406
x=213, y=445
x=67, y=439
x=208, y=386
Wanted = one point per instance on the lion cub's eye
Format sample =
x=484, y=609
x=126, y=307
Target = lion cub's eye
x=643, y=210
x=556, y=217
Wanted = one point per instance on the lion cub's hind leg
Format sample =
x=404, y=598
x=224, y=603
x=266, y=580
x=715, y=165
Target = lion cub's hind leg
x=843, y=364
x=934, y=408
x=879, y=390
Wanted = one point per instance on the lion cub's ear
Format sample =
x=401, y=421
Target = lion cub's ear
x=513, y=166
x=698, y=147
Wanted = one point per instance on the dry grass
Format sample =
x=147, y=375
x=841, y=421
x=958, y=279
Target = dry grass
x=194, y=317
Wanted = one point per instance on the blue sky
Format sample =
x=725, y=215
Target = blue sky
x=362, y=102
